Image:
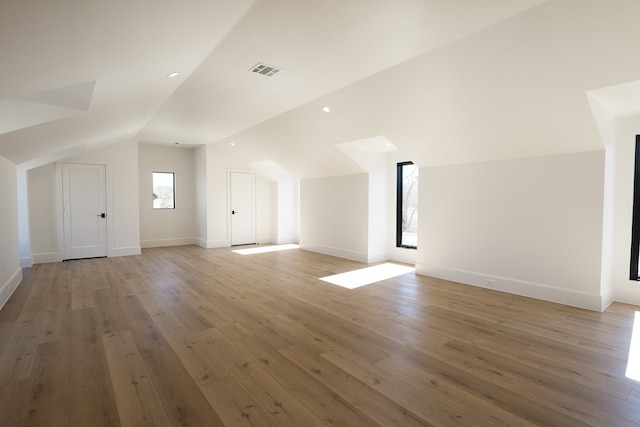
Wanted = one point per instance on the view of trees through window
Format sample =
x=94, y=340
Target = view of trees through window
x=407, y=205
x=163, y=190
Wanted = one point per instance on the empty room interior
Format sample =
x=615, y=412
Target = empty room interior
x=303, y=213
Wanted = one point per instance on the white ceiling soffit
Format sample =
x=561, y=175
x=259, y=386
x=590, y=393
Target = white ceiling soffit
x=42, y=107
x=271, y=170
x=370, y=153
x=620, y=100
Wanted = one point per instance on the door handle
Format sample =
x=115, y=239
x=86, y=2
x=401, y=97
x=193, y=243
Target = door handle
x=234, y=212
x=102, y=215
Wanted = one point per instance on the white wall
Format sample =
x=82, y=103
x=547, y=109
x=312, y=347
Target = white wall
x=168, y=227
x=200, y=165
x=334, y=215
x=10, y=270
x=288, y=211
x=43, y=215
x=529, y=226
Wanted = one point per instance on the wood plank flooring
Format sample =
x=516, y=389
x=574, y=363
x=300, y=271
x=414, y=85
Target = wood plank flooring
x=185, y=336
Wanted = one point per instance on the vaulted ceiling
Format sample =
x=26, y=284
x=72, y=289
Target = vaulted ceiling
x=444, y=80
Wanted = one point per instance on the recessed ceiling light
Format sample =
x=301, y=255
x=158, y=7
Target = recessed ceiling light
x=174, y=74
x=233, y=144
x=129, y=132
x=326, y=109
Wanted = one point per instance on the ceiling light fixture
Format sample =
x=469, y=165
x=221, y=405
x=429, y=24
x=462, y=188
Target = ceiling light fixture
x=174, y=74
x=233, y=144
x=326, y=109
x=129, y=132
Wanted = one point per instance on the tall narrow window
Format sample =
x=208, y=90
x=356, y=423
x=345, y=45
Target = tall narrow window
x=635, y=222
x=163, y=190
x=407, y=206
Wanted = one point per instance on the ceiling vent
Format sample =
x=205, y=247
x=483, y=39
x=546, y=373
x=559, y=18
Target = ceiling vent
x=264, y=69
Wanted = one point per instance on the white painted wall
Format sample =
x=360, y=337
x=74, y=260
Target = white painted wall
x=168, y=227
x=532, y=226
x=10, y=270
x=288, y=211
x=334, y=217
x=43, y=216
x=200, y=166
x=266, y=194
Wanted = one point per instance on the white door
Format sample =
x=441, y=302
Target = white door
x=84, y=215
x=242, y=197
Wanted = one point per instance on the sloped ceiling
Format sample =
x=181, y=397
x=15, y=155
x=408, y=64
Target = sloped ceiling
x=445, y=81
x=128, y=47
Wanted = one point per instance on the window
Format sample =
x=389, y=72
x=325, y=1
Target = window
x=635, y=222
x=163, y=190
x=407, y=206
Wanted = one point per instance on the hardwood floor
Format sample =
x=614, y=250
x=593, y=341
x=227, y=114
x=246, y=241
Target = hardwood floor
x=186, y=336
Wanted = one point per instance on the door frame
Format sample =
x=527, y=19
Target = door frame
x=60, y=203
x=253, y=195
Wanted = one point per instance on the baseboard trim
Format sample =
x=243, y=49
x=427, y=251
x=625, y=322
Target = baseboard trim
x=125, y=251
x=210, y=244
x=10, y=286
x=46, y=257
x=159, y=243
x=337, y=252
x=514, y=286
x=26, y=262
x=627, y=295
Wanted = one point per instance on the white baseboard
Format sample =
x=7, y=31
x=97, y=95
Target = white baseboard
x=8, y=287
x=159, y=243
x=46, y=257
x=379, y=257
x=338, y=252
x=514, y=286
x=209, y=244
x=125, y=251
x=627, y=296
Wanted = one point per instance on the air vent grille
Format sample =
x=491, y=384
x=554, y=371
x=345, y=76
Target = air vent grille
x=265, y=70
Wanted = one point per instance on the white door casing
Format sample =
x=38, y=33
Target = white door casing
x=242, y=212
x=84, y=210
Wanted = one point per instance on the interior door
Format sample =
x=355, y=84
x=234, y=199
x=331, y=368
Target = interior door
x=242, y=197
x=84, y=210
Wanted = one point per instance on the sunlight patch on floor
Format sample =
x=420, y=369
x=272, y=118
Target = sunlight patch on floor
x=366, y=276
x=263, y=249
x=633, y=363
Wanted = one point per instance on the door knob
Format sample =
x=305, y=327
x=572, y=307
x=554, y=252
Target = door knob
x=102, y=215
x=234, y=212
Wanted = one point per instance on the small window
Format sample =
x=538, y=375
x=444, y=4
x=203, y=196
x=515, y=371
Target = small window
x=163, y=190
x=635, y=222
x=407, y=206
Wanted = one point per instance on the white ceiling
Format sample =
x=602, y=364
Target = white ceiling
x=127, y=48
x=444, y=81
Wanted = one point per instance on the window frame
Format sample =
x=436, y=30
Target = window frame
x=399, y=203
x=635, y=221
x=173, y=175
